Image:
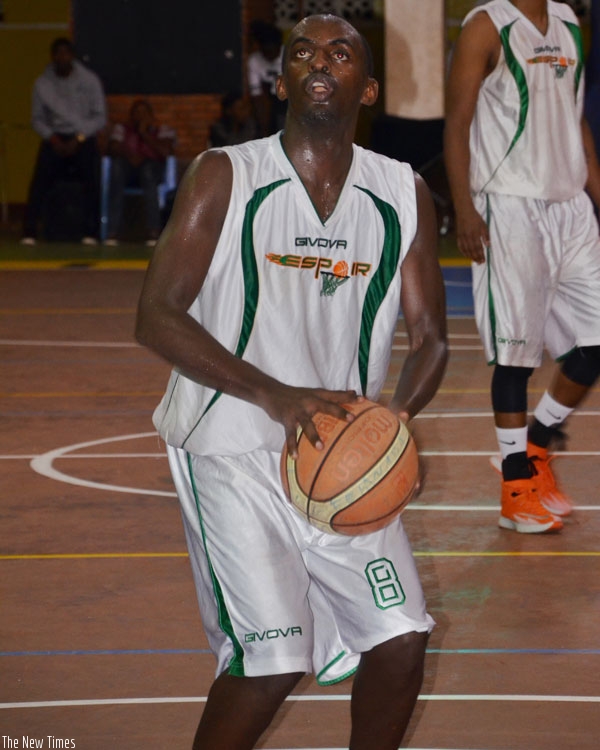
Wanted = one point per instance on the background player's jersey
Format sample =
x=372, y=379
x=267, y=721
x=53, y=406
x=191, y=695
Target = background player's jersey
x=526, y=132
x=313, y=304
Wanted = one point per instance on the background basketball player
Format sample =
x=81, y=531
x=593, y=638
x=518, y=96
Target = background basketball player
x=235, y=299
x=519, y=156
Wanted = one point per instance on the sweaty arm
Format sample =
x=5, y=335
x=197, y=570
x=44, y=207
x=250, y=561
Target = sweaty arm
x=175, y=277
x=475, y=56
x=423, y=305
x=593, y=180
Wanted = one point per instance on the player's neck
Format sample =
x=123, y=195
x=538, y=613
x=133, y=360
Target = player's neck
x=536, y=11
x=322, y=163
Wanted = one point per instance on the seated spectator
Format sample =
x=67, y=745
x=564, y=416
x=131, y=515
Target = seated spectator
x=68, y=110
x=139, y=149
x=236, y=124
x=263, y=68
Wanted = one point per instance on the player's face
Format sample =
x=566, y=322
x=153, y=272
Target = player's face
x=62, y=60
x=325, y=70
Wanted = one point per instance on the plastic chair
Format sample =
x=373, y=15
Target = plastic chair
x=169, y=183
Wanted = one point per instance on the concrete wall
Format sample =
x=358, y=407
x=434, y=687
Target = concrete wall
x=415, y=43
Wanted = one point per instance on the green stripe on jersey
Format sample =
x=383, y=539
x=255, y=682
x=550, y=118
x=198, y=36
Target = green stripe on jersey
x=250, y=274
x=380, y=282
x=576, y=33
x=519, y=75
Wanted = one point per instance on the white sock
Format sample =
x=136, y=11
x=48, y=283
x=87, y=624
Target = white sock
x=513, y=440
x=549, y=412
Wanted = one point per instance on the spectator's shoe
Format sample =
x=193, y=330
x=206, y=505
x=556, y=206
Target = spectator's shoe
x=551, y=497
x=28, y=241
x=89, y=241
x=111, y=242
x=522, y=511
x=151, y=242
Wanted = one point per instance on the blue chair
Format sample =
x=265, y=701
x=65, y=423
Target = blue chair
x=169, y=183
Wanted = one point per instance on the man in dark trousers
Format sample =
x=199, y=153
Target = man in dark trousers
x=68, y=110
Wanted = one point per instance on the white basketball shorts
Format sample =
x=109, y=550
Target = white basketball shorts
x=540, y=286
x=276, y=595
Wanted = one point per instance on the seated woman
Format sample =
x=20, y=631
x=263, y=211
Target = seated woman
x=139, y=149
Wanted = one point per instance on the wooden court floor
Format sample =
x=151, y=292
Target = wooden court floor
x=100, y=638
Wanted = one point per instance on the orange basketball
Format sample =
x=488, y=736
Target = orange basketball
x=363, y=477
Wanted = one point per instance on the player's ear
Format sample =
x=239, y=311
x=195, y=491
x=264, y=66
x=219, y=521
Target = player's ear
x=370, y=93
x=280, y=89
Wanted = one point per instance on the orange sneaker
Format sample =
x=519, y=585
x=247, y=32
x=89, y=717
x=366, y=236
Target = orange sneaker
x=522, y=511
x=551, y=497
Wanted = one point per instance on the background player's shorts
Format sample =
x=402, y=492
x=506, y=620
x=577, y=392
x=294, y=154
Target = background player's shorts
x=277, y=595
x=540, y=287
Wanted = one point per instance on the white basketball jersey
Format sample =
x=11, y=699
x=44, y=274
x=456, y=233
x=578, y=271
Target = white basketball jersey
x=526, y=132
x=311, y=303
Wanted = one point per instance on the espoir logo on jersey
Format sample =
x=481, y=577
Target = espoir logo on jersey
x=331, y=272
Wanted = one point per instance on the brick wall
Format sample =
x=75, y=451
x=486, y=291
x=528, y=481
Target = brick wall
x=191, y=116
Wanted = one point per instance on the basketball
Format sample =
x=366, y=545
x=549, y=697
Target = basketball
x=364, y=476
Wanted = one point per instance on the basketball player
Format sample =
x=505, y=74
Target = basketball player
x=241, y=296
x=519, y=157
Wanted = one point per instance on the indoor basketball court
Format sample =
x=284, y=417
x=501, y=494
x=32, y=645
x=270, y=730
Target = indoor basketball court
x=101, y=640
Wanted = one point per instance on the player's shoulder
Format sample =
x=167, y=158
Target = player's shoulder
x=563, y=11
x=387, y=176
x=488, y=17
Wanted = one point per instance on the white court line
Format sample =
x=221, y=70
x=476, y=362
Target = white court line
x=31, y=342
x=518, y=698
x=488, y=414
x=404, y=335
x=453, y=348
x=435, y=454
x=44, y=465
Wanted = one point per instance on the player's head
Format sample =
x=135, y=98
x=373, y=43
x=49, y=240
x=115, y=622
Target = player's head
x=62, y=54
x=268, y=37
x=327, y=68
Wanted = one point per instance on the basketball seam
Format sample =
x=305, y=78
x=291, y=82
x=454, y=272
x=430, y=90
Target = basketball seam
x=379, y=518
x=331, y=447
x=316, y=517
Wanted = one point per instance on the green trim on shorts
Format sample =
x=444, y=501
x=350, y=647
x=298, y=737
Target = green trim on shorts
x=236, y=665
x=324, y=683
x=562, y=357
x=491, y=306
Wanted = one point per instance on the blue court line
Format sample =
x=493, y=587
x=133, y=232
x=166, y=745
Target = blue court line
x=179, y=651
x=459, y=294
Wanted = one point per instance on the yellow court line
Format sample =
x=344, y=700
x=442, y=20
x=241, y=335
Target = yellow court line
x=75, y=394
x=135, y=265
x=594, y=553
x=95, y=556
x=67, y=311
x=150, y=555
x=82, y=263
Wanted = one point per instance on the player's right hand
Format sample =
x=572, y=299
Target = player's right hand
x=295, y=407
x=472, y=235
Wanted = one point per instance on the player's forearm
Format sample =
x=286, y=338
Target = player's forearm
x=457, y=159
x=593, y=180
x=421, y=376
x=192, y=350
